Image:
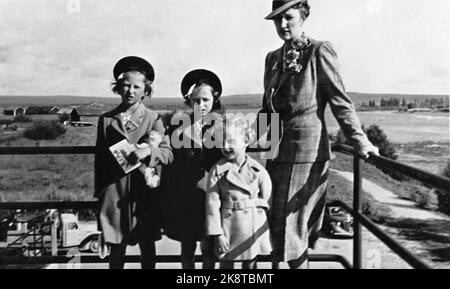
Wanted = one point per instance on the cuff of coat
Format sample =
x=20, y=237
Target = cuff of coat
x=214, y=231
x=154, y=157
x=360, y=142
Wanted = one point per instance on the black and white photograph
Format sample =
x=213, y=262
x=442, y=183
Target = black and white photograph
x=227, y=135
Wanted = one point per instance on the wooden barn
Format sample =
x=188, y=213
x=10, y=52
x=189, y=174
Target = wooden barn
x=14, y=111
x=33, y=110
x=71, y=112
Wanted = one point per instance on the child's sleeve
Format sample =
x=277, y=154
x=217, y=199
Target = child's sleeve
x=213, y=216
x=265, y=186
x=163, y=153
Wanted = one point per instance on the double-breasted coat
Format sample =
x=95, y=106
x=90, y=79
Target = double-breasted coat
x=129, y=209
x=237, y=201
x=183, y=182
x=301, y=99
x=299, y=171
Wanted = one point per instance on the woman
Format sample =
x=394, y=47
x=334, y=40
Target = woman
x=300, y=79
x=129, y=210
x=184, y=181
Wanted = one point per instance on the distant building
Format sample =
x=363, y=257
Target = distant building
x=71, y=112
x=18, y=110
x=14, y=110
x=53, y=110
x=33, y=110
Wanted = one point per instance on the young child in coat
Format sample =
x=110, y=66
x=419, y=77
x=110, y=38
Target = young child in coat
x=237, y=200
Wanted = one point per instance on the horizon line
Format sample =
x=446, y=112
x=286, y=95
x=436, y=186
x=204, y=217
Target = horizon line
x=235, y=94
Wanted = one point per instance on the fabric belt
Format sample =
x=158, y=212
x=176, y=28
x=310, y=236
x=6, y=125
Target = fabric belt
x=241, y=205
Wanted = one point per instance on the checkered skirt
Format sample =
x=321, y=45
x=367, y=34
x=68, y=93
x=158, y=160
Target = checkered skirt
x=298, y=202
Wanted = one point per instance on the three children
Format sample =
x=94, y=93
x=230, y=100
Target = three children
x=229, y=214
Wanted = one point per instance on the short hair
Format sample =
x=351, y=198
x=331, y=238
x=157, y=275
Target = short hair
x=240, y=124
x=216, y=97
x=304, y=9
x=117, y=86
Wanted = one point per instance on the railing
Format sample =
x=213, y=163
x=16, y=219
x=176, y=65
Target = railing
x=359, y=219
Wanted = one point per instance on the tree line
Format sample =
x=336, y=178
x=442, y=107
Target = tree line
x=402, y=102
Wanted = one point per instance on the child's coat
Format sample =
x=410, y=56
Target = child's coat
x=236, y=205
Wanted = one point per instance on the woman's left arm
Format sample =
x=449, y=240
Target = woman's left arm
x=330, y=84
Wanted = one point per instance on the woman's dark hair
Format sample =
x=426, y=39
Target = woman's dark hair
x=118, y=84
x=216, y=97
x=304, y=9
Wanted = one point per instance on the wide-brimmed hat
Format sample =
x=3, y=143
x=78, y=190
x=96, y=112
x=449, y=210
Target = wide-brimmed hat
x=279, y=6
x=130, y=63
x=195, y=76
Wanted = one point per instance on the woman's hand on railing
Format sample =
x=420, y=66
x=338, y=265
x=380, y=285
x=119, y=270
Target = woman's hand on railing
x=368, y=150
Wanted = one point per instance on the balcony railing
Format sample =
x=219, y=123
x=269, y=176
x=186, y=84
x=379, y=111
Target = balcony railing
x=360, y=220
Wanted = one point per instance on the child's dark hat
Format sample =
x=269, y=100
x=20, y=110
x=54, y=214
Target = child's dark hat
x=195, y=76
x=131, y=63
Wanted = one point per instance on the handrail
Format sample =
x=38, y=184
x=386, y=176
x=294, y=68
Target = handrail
x=388, y=241
x=60, y=205
x=58, y=150
x=421, y=175
x=409, y=171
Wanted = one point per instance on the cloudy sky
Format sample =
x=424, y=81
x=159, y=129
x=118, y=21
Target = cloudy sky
x=69, y=47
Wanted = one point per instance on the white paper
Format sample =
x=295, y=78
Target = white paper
x=121, y=151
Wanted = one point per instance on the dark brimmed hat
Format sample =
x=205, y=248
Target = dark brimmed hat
x=279, y=6
x=130, y=63
x=195, y=76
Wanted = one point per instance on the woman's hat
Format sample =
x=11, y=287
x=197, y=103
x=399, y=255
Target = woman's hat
x=279, y=6
x=130, y=63
x=195, y=76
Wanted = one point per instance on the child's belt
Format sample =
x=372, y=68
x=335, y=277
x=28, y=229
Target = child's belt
x=245, y=204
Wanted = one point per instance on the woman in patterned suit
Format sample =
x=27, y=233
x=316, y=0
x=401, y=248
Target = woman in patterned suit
x=300, y=79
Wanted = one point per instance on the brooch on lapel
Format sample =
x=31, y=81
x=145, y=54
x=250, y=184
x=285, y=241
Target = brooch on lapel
x=293, y=54
x=130, y=125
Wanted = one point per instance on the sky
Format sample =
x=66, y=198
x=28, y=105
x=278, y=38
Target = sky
x=69, y=47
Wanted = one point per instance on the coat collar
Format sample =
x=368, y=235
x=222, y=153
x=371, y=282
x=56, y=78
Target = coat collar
x=241, y=179
x=137, y=118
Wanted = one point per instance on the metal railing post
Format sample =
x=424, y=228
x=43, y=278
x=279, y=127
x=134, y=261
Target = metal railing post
x=357, y=207
x=54, y=237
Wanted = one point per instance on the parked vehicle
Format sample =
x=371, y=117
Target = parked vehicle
x=33, y=230
x=337, y=222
